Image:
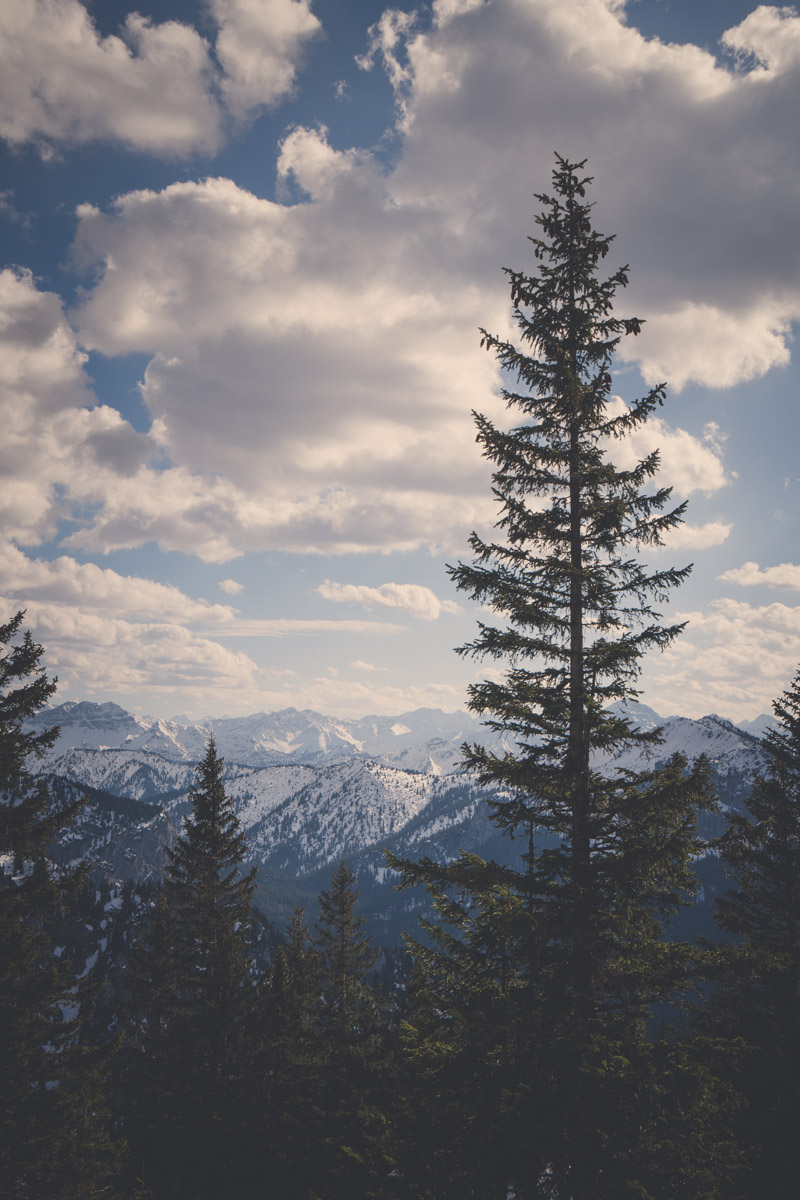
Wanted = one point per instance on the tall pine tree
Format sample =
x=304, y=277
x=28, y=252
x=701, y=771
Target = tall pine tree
x=608, y=855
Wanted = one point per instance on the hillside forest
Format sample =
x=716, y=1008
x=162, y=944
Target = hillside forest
x=549, y=1032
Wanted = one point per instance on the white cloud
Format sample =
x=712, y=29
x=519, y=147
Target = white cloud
x=258, y=46
x=420, y=601
x=354, y=313
x=62, y=81
x=231, y=586
x=685, y=149
x=697, y=537
x=733, y=347
x=358, y=664
x=338, y=331
x=56, y=450
x=97, y=589
x=95, y=654
x=750, y=574
x=387, y=42
x=154, y=87
x=733, y=659
x=771, y=36
x=688, y=464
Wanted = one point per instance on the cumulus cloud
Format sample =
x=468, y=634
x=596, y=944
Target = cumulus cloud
x=420, y=601
x=769, y=37
x=734, y=346
x=231, y=587
x=96, y=654
x=685, y=149
x=750, y=574
x=57, y=449
x=688, y=464
x=154, y=87
x=698, y=537
x=337, y=331
x=97, y=589
x=258, y=46
x=353, y=312
x=734, y=659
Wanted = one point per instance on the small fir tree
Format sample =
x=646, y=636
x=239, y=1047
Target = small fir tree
x=355, y=1150
x=466, y=1119
x=288, y=1119
x=190, y=1038
x=757, y=1002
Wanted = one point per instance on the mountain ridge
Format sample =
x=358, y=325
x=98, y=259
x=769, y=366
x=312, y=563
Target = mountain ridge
x=422, y=739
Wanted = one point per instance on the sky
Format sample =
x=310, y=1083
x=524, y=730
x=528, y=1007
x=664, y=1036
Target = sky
x=246, y=247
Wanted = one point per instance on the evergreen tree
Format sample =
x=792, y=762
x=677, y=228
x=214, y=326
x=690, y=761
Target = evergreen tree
x=288, y=1125
x=757, y=1002
x=355, y=1148
x=191, y=1022
x=54, y=1121
x=609, y=855
x=466, y=1119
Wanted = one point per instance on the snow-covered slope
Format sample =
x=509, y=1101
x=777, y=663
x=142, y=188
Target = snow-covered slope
x=320, y=796
x=293, y=814
x=342, y=809
x=140, y=774
x=759, y=725
x=733, y=754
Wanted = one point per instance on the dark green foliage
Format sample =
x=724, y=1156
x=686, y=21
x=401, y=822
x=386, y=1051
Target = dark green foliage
x=355, y=1151
x=54, y=1138
x=467, y=1122
x=286, y=1082
x=757, y=1002
x=26, y=824
x=191, y=1004
x=608, y=855
x=322, y=1071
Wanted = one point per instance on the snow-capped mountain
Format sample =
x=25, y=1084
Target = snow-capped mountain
x=733, y=754
x=425, y=739
x=309, y=789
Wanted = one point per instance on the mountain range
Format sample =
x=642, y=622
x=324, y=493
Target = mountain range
x=310, y=789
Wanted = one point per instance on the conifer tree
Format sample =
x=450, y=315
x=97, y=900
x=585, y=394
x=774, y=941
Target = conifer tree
x=355, y=1150
x=54, y=1120
x=758, y=998
x=190, y=1038
x=287, y=1083
x=608, y=857
x=466, y=1118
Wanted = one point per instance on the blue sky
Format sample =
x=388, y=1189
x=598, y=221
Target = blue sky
x=246, y=249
